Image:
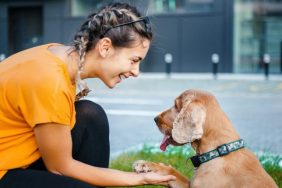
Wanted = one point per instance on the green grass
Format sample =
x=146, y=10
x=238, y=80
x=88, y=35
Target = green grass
x=177, y=157
x=271, y=164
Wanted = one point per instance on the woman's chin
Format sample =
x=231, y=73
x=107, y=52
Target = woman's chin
x=111, y=84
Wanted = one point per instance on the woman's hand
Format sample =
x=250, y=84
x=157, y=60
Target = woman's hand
x=157, y=179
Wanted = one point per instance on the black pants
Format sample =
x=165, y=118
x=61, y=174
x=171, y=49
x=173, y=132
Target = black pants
x=90, y=138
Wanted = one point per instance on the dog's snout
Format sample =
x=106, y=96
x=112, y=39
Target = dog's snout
x=156, y=119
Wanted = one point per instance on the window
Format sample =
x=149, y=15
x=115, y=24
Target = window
x=199, y=5
x=190, y=6
x=84, y=7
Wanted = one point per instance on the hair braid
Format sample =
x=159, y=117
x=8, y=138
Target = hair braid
x=82, y=44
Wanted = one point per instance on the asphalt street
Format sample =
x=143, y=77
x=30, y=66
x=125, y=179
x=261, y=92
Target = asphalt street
x=253, y=104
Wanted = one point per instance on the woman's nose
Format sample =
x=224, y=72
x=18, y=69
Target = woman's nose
x=135, y=71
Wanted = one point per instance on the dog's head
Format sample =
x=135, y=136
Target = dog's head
x=184, y=121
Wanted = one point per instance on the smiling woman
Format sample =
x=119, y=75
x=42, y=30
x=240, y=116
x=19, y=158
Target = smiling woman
x=126, y=62
x=48, y=136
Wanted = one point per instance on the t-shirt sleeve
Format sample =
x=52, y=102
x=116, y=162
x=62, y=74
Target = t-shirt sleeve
x=49, y=101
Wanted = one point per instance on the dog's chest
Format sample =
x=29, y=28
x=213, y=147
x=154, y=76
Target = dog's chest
x=208, y=175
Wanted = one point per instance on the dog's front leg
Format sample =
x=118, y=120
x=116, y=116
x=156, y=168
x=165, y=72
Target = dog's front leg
x=142, y=166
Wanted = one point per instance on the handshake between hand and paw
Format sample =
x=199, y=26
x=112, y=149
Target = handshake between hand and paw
x=142, y=166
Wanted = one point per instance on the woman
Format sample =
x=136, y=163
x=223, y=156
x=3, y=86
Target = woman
x=41, y=143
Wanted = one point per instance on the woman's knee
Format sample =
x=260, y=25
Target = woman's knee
x=89, y=113
x=86, y=107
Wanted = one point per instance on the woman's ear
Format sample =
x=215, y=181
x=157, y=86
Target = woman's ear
x=105, y=47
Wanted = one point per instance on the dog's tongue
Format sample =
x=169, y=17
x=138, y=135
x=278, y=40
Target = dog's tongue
x=164, y=143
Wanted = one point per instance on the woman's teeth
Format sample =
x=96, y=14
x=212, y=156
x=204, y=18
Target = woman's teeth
x=122, y=77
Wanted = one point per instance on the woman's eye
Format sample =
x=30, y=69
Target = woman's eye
x=134, y=61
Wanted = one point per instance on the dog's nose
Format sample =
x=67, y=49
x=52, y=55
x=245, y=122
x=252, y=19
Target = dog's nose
x=156, y=119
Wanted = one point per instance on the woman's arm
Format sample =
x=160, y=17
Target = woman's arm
x=55, y=145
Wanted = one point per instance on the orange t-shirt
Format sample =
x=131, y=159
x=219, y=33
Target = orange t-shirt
x=35, y=88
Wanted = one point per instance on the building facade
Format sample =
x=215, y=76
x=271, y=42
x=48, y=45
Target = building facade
x=189, y=34
x=257, y=35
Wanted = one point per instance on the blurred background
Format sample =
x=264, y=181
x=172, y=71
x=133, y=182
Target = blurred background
x=242, y=35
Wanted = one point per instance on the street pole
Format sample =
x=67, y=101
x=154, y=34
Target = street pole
x=266, y=61
x=168, y=58
x=2, y=57
x=280, y=56
x=215, y=62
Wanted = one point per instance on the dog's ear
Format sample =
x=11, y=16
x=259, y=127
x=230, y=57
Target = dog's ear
x=188, y=125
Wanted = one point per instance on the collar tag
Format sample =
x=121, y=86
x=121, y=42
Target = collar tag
x=223, y=150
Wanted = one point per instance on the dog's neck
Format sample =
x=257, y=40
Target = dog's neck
x=215, y=135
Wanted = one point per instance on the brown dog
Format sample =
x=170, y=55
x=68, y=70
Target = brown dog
x=197, y=118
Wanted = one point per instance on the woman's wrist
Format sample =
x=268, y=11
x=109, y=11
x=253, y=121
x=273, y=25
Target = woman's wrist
x=142, y=179
x=139, y=179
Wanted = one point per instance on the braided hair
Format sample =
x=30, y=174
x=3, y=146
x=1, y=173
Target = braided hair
x=101, y=24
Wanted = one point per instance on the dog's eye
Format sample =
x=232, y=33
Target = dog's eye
x=176, y=106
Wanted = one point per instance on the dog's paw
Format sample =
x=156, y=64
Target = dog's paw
x=141, y=166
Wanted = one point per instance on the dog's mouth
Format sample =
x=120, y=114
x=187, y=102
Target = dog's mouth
x=168, y=140
x=165, y=142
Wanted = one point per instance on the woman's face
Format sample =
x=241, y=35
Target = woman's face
x=123, y=63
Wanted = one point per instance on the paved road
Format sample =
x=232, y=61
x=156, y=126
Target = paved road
x=253, y=104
